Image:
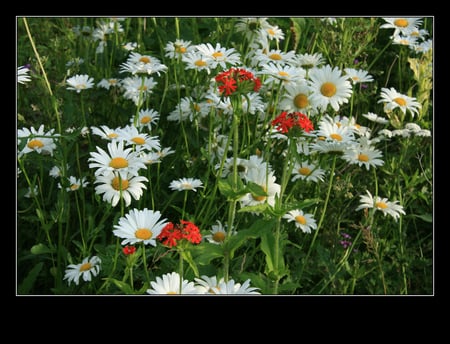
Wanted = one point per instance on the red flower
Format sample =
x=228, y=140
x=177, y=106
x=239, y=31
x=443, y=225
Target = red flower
x=237, y=80
x=127, y=250
x=286, y=121
x=171, y=234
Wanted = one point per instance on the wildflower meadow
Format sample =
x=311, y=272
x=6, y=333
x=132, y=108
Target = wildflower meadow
x=224, y=155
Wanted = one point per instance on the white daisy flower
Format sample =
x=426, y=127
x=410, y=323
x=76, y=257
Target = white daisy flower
x=218, y=233
x=205, y=284
x=401, y=25
x=231, y=287
x=112, y=187
x=118, y=160
x=382, y=204
x=364, y=156
x=219, y=55
x=308, y=172
x=22, y=74
x=79, y=82
x=302, y=220
x=108, y=83
x=329, y=87
x=146, y=118
x=393, y=100
x=358, y=76
x=140, y=226
x=139, y=141
x=90, y=266
x=171, y=284
x=75, y=183
x=37, y=140
x=178, y=48
x=183, y=184
x=142, y=64
x=375, y=118
x=106, y=132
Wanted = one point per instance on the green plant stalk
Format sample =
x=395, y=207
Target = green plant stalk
x=180, y=269
x=80, y=220
x=402, y=244
x=372, y=216
x=322, y=217
x=144, y=263
x=54, y=103
x=232, y=204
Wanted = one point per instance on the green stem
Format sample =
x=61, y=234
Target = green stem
x=180, y=270
x=322, y=217
x=144, y=263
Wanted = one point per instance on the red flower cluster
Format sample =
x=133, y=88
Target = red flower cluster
x=171, y=234
x=286, y=121
x=237, y=80
x=127, y=250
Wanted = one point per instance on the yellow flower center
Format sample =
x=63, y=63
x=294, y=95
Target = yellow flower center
x=74, y=187
x=142, y=88
x=301, y=101
x=381, y=205
x=275, y=57
x=33, y=144
x=260, y=198
x=171, y=293
x=355, y=78
x=180, y=50
x=401, y=22
x=85, y=267
x=186, y=186
x=145, y=119
x=283, y=73
x=116, y=183
x=138, y=140
x=271, y=32
x=118, y=163
x=112, y=135
x=336, y=137
x=328, y=89
x=305, y=171
x=143, y=233
x=144, y=59
x=80, y=86
x=112, y=81
x=217, y=54
x=200, y=63
x=219, y=236
x=300, y=219
x=363, y=158
x=400, y=101
x=196, y=107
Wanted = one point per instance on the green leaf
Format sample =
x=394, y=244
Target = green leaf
x=207, y=252
x=297, y=27
x=258, y=229
x=259, y=208
x=188, y=257
x=232, y=193
x=125, y=287
x=28, y=281
x=40, y=249
x=425, y=217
